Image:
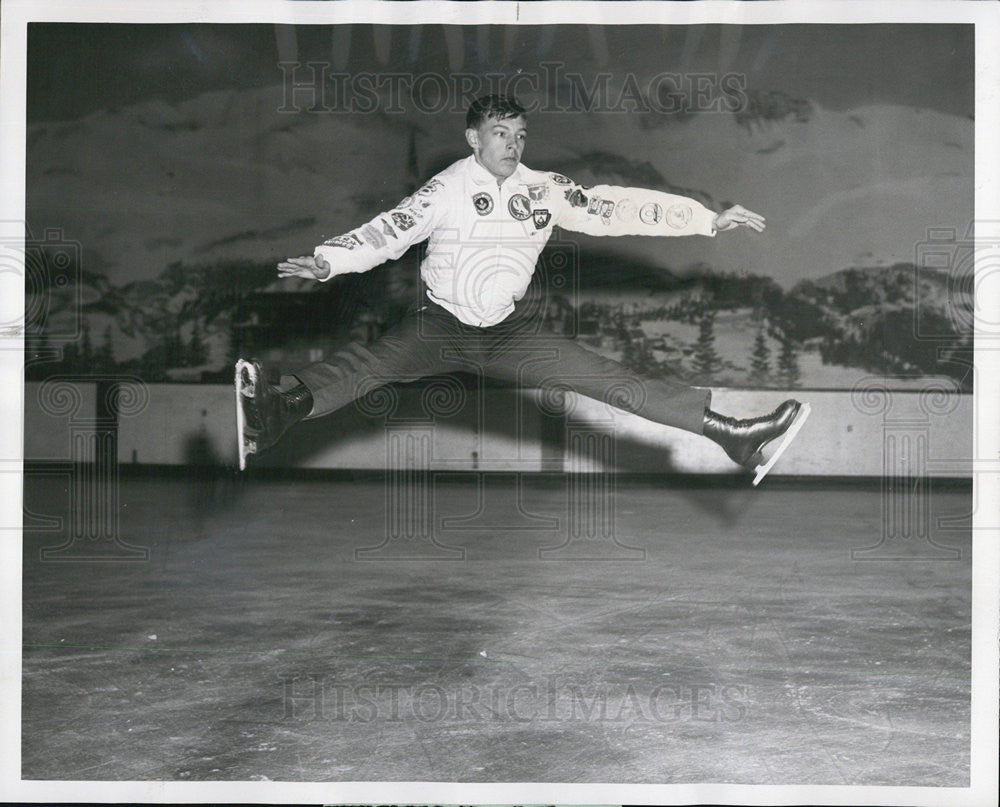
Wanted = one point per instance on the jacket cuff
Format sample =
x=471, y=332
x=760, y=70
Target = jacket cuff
x=327, y=254
x=703, y=222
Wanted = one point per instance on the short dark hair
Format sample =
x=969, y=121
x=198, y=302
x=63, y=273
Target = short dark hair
x=497, y=107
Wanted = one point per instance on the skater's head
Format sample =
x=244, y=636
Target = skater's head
x=495, y=129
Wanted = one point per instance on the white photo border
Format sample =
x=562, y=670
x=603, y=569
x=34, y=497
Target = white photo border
x=16, y=14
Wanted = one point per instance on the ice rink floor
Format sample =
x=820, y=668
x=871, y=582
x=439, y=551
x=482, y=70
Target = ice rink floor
x=552, y=629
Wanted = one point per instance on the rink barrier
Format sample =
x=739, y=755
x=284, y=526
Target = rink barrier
x=865, y=432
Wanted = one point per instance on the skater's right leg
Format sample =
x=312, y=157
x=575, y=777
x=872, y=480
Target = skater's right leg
x=264, y=413
x=410, y=350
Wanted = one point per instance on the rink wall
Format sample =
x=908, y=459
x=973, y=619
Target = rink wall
x=441, y=425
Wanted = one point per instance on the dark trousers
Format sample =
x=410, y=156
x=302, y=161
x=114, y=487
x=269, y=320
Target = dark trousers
x=430, y=341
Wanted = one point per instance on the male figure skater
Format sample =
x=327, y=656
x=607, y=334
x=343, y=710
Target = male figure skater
x=487, y=218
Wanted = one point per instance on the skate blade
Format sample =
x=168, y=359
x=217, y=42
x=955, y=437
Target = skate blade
x=246, y=447
x=800, y=419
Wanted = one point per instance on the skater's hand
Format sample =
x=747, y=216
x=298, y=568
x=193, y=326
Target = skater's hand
x=308, y=266
x=739, y=216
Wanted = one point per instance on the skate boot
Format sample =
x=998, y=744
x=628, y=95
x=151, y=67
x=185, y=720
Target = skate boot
x=263, y=413
x=744, y=440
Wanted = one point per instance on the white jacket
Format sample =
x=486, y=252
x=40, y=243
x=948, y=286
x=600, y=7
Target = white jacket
x=485, y=238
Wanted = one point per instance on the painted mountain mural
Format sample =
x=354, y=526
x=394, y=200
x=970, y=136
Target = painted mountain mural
x=174, y=217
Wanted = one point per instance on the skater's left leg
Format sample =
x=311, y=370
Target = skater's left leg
x=744, y=439
x=553, y=362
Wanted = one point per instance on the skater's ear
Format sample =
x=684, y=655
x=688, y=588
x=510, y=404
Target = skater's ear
x=472, y=138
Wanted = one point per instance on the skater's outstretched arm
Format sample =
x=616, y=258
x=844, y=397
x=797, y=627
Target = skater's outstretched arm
x=386, y=237
x=739, y=216
x=312, y=267
x=615, y=210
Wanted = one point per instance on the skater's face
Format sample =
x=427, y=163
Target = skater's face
x=498, y=144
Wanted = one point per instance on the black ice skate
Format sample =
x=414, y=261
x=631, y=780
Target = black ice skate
x=744, y=440
x=263, y=413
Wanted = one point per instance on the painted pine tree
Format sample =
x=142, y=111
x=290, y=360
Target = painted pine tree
x=760, y=359
x=788, y=362
x=197, y=352
x=705, y=360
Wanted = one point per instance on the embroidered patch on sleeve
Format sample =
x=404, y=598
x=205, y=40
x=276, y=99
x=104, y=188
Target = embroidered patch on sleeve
x=342, y=241
x=431, y=186
x=651, y=213
x=402, y=220
x=537, y=193
x=387, y=229
x=679, y=216
x=626, y=210
x=373, y=236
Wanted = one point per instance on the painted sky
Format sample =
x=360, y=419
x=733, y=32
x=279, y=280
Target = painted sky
x=74, y=69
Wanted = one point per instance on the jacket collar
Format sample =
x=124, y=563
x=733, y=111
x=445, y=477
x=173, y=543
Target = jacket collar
x=480, y=176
